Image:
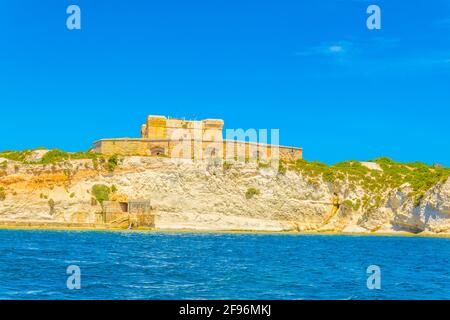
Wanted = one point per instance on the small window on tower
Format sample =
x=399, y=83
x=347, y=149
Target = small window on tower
x=157, y=151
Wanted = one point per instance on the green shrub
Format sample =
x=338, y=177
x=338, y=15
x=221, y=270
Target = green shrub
x=112, y=163
x=251, y=192
x=101, y=192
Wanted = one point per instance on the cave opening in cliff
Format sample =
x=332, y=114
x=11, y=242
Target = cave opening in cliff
x=123, y=206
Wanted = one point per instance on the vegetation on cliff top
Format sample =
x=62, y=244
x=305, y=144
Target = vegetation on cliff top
x=420, y=177
x=51, y=157
x=56, y=156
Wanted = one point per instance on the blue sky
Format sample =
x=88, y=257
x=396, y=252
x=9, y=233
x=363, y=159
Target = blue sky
x=309, y=68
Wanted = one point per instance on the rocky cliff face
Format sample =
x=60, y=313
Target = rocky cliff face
x=205, y=196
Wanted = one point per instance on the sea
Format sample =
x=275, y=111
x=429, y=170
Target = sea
x=169, y=265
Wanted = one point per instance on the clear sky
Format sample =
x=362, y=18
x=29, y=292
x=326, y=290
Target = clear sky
x=309, y=68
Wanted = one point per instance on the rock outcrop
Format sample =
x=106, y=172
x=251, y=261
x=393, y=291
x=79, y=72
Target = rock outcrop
x=209, y=196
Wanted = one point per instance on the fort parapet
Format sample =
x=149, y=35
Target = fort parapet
x=177, y=138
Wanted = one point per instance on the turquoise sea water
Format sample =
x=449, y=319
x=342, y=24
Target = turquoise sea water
x=149, y=265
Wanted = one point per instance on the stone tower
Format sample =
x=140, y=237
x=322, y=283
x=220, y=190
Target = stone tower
x=161, y=128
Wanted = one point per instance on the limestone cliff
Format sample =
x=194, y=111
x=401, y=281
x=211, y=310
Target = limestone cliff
x=214, y=196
